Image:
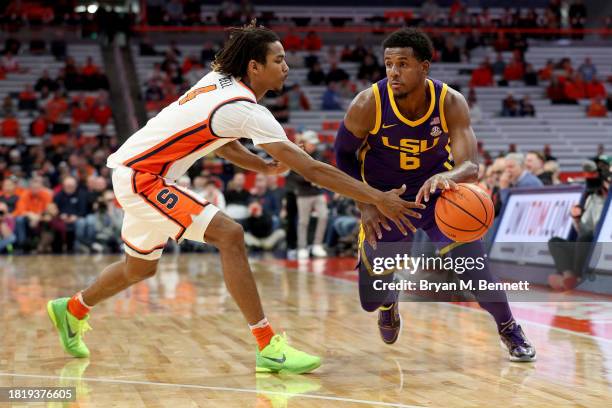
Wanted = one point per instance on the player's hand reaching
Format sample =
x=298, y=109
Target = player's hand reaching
x=398, y=210
x=372, y=220
x=438, y=181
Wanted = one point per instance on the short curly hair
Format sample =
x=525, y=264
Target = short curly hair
x=421, y=45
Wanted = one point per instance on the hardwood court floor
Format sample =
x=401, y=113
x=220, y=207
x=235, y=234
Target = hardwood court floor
x=178, y=341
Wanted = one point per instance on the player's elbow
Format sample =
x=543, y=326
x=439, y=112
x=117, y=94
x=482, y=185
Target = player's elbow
x=471, y=171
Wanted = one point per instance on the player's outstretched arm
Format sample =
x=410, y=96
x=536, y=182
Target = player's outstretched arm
x=463, y=148
x=389, y=203
x=239, y=155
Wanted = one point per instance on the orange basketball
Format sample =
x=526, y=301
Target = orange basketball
x=464, y=215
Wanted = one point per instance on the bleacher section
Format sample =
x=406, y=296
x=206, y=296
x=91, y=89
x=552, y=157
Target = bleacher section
x=571, y=135
x=36, y=64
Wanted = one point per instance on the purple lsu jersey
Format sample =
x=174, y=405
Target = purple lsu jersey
x=401, y=151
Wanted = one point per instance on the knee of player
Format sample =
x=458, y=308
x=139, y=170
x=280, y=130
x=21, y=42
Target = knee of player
x=140, y=268
x=231, y=234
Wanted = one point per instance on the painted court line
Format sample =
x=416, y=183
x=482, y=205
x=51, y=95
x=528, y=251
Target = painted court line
x=211, y=388
x=529, y=322
x=522, y=320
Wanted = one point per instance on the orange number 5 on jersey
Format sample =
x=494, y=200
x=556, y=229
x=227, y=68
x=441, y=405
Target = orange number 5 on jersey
x=196, y=92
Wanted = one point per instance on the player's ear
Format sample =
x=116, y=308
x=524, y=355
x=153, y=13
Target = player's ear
x=425, y=66
x=253, y=66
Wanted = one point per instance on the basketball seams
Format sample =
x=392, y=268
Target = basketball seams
x=453, y=227
x=463, y=209
x=477, y=194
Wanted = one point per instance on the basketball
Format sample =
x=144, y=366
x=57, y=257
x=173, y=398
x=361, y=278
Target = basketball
x=466, y=214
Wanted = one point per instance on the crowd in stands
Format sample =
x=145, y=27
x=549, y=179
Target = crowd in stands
x=56, y=105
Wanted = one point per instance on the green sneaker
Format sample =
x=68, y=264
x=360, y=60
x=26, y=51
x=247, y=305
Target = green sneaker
x=279, y=357
x=70, y=328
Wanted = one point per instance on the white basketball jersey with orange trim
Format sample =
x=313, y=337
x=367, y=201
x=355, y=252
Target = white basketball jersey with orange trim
x=181, y=133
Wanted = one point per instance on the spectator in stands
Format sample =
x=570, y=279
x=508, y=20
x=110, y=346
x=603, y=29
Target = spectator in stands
x=46, y=81
x=430, y=12
x=573, y=89
x=472, y=41
x=370, y=70
x=279, y=107
x=58, y=45
x=570, y=259
x=516, y=175
x=259, y=231
x=545, y=74
x=587, y=69
x=174, y=12
x=336, y=74
x=312, y=42
x=10, y=64
x=52, y=231
x=101, y=112
x=104, y=225
x=531, y=76
x=510, y=106
x=595, y=88
x=208, y=53
x=309, y=198
x=475, y=111
x=316, y=76
x=552, y=167
x=39, y=126
x=9, y=195
x=346, y=53
x=27, y=99
x=597, y=109
x=359, y=51
x=515, y=69
x=8, y=106
x=260, y=193
x=332, y=56
x=146, y=48
x=343, y=224
x=212, y=194
x=72, y=205
x=7, y=229
x=90, y=69
x=331, y=98
x=483, y=75
x=501, y=42
x=450, y=52
x=534, y=163
x=30, y=207
x=499, y=66
x=526, y=108
x=277, y=193
x=556, y=92
x=292, y=42
x=577, y=16
x=297, y=99
x=10, y=126
x=79, y=111
x=56, y=107
x=547, y=151
x=237, y=198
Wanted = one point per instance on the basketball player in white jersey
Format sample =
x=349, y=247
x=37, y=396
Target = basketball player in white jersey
x=220, y=109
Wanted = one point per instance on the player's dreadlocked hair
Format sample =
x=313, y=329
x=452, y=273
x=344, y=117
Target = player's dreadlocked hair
x=249, y=42
x=420, y=43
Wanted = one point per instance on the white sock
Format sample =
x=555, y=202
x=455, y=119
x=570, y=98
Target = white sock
x=260, y=324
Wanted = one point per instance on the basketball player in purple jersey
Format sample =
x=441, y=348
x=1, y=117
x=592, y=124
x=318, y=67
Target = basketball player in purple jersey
x=414, y=130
